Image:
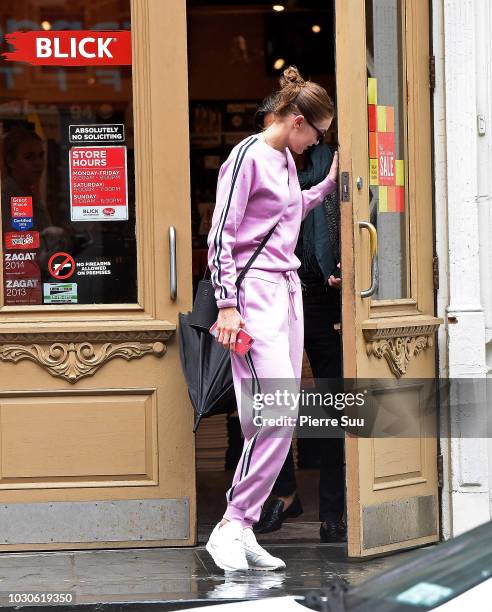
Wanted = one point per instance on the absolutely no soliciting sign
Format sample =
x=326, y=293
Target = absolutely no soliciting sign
x=92, y=134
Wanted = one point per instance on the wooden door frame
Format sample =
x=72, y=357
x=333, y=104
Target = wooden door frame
x=159, y=484
x=363, y=319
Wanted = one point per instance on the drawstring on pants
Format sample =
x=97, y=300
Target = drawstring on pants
x=290, y=277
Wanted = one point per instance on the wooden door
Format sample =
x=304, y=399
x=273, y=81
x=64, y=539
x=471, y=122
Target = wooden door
x=388, y=321
x=95, y=423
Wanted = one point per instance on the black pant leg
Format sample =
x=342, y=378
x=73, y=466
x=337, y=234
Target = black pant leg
x=286, y=483
x=323, y=348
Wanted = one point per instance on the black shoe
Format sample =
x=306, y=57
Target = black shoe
x=273, y=515
x=335, y=531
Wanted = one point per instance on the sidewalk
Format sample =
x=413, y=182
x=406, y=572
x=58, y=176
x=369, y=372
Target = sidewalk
x=172, y=575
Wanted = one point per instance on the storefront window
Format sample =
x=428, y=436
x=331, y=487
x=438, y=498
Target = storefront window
x=387, y=160
x=67, y=155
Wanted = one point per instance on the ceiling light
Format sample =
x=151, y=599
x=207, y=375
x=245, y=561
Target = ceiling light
x=278, y=8
x=278, y=63
x=46, y=25
x=316, y=29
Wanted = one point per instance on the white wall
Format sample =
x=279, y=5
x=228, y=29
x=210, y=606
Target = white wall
x=462, y=37
x=483, y=22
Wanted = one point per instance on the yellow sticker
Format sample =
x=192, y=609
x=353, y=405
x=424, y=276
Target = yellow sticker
x=373, y=172
x=400, y=173
x=383, y=199
x=372, y=91
x=381, y=118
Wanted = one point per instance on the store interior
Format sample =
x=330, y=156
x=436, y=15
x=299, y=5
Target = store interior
x=252, y=43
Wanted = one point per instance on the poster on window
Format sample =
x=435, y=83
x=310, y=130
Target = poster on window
x=98, y=184
x=21, y=278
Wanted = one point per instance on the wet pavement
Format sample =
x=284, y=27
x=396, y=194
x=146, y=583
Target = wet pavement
x=175, y=576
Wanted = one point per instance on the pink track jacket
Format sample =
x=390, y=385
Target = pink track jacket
x=257, y=188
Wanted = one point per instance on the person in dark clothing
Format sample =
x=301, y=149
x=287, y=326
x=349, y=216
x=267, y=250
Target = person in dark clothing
x=319, y=253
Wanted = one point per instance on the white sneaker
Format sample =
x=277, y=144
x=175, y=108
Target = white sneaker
x=258, y=558
x=225, y=546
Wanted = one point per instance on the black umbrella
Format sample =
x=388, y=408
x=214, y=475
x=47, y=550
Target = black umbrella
x=207, y=369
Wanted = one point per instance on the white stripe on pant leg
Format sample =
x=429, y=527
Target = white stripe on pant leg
x=245, y=465
x=248, y=453
x=249, y=361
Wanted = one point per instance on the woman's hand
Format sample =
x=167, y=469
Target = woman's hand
x=333, y=174
x=229, y=323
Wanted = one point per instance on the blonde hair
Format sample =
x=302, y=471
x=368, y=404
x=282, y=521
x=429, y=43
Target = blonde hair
x=304, y=97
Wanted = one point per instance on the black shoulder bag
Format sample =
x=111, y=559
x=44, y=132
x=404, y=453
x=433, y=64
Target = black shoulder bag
x=205, y=311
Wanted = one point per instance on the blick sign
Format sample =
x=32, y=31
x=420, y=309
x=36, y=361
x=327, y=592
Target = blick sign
x=70, y=48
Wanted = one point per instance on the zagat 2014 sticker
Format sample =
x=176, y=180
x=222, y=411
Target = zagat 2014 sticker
x=21, y=264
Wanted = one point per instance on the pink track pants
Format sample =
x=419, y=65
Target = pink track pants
x=271, y=305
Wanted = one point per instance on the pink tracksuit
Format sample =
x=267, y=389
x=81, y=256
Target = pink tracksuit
x=258, y=188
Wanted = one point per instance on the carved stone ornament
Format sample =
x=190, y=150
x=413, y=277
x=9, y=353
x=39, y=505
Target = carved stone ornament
x=399, y=345
x=73, y=356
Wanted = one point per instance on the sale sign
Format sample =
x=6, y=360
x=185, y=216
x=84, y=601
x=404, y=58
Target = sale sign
x=98, y=184
x=386, y=158
x=70, y=48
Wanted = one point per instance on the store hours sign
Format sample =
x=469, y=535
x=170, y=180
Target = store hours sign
x=98, y=184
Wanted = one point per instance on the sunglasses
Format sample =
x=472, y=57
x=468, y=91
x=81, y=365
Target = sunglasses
x=320, y=133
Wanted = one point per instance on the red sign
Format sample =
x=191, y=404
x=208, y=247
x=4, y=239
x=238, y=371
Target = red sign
x=21, y=279
x=21, y=240
x=24, y=291
x=70, y=48
x=61, y=265
x=21, y=206
x=23, y=263
x=386, y=158
x=98, y=184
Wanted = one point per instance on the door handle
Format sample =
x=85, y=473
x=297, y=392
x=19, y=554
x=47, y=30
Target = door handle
x=173, y=276
x=373, y=238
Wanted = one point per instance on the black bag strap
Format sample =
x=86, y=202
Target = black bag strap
x=250, y=261
x=246, y=268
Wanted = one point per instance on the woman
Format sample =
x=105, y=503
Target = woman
x=318, y=251
x=258, y=189
x=24, y=162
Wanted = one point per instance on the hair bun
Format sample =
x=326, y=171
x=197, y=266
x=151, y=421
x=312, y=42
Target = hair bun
x=291, y=76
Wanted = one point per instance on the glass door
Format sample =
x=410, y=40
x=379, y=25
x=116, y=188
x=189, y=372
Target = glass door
x=96, y=428
x=388, y=321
